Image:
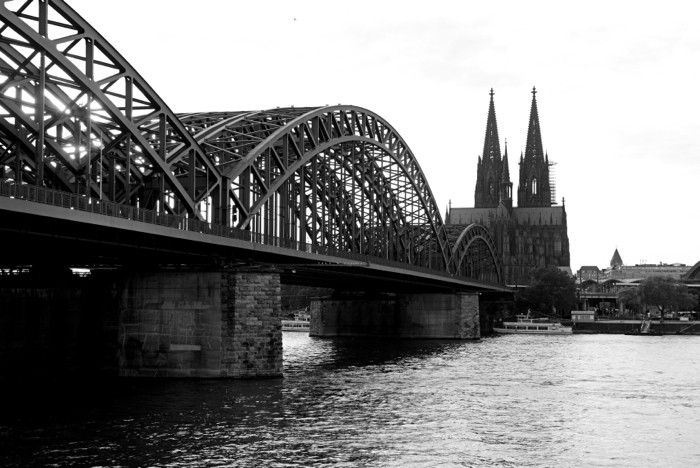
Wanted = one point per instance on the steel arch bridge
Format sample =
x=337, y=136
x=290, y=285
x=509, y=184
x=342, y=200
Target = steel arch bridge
x=693, y=273
x=77, y=118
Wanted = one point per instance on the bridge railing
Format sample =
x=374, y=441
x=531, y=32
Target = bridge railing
x=71, y=201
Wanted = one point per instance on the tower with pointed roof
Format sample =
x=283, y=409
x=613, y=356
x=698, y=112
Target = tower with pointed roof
x=492, y=175
x=616, y=260
x=534, y=188
x=506, y=186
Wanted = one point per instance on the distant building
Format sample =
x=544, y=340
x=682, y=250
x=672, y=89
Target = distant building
x=616, y=260
x=601, y=293
x=531, y=235
x=619, y=271
x=588, y=273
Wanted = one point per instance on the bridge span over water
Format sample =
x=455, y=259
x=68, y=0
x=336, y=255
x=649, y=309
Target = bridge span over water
x=96, y=171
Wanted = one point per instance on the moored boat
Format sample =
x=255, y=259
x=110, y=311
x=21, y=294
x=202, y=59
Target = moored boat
x=524, y=325
x=300, y=323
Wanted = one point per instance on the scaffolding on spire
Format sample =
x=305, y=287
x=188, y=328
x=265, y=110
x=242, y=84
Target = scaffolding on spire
x=553, y=182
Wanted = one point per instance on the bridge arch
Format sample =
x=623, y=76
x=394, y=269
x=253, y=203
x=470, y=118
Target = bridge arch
x=694, y=272
x=474, y=255
x=75, y=116
x=339, y=176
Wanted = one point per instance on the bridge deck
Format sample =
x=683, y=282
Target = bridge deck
x=92, y=232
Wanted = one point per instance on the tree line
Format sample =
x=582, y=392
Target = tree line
x=552, y=292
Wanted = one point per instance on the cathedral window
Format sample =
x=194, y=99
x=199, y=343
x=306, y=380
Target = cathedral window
x=534, y=186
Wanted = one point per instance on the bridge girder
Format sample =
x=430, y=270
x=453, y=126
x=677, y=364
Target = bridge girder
x=87, y=116
x=76, y=117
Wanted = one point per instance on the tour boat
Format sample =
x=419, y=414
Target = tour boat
x=524, y=325
x=300, y=322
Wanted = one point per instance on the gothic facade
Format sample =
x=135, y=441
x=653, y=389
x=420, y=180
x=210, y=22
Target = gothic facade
x=531, y=234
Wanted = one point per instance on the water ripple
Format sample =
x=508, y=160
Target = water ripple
x=518, y=401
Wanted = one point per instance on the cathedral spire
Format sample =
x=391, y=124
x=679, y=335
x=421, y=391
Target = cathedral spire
x=488, y=179
x=492, y=149
x=506, y=170
x=534, y=187
x=533, y=147
x=506, y=187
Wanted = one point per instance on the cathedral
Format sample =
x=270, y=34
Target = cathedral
x=533, y=233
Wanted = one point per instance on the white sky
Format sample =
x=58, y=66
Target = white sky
x=618, y=91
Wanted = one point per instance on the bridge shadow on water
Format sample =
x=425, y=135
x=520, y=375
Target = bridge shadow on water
x=57, y=396
x=158, y=422
x=135, y=422
x=310, y=353
x=62, y=396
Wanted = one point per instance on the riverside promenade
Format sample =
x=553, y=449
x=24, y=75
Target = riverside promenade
x=667, y=327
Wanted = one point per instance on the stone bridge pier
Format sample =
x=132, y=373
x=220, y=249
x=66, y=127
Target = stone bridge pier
x=215, y=323
x=161, y=323
x=202, y=324
x=436, y=315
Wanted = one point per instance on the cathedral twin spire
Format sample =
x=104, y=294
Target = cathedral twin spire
x=493, y=177
x=534, y=188
x=493, y=185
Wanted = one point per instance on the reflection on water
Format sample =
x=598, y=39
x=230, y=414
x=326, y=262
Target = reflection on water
x=582, y=400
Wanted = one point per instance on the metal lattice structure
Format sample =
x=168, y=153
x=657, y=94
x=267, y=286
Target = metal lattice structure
x=76, y=117
x=473, y=255
x=693, y=273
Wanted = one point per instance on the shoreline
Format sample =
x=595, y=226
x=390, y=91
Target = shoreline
x=668, y=327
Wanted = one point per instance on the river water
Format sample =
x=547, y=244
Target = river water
x=521, y=401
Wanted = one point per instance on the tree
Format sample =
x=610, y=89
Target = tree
x=550, y=290
x=665, y=293
x=628, y=296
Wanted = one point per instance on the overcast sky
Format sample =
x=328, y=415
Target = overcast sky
x=618, y=91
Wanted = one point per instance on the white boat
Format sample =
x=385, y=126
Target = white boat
x=300, y=322
x=524, y=325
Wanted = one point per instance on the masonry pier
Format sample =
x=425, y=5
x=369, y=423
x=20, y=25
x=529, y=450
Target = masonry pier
x=222, y=322
x=430, y=315
x=202, y=324
x=161, y=323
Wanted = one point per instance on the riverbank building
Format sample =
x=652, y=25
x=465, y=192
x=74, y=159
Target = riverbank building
x=532, y=234
x=618, y=271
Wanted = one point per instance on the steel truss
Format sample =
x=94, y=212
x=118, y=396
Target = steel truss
x=693, y=273
x=75, y=116
x=475, y=256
